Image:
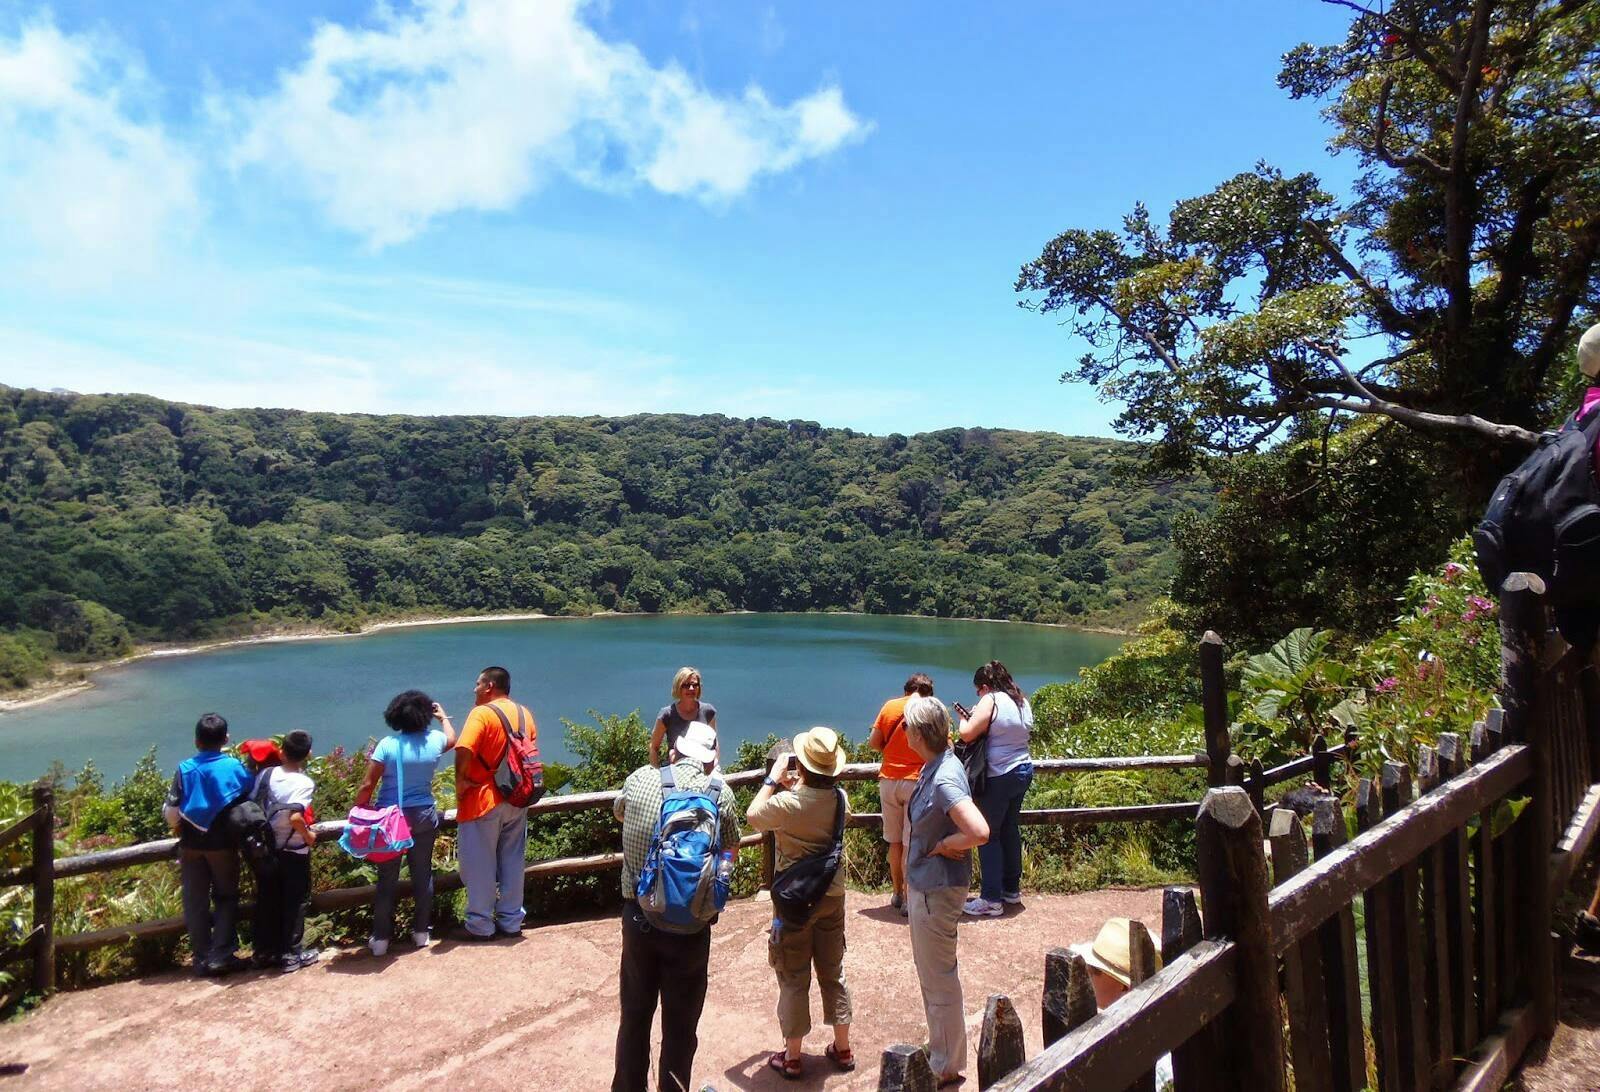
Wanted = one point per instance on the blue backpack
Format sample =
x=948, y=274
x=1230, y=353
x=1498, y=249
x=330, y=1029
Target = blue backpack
x=683, y=885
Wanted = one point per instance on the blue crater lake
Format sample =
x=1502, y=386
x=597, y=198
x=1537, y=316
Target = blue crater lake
x=764, y=673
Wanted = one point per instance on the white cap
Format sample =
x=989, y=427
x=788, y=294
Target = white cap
x=698, y=742
x=1589, y=352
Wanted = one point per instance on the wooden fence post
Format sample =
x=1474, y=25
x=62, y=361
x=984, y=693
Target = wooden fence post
x=1000, y=1044
x=1321, y=764
x=905, y=1069
x=1193, y=1063
x=1458, y=912
x=1436, y=935
x=1410, y=1013
x=1304, y=982
x=1381, y=945
x=1524, y=622
x=44, y=888
x=1068, y=993
x=1233, y=892
x=1141, y=965
x=1589, y=680
x=1214, y=705
x=1337, y=937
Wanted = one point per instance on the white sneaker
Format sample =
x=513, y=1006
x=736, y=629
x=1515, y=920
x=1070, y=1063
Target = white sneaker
x=980, y=907
x=420, y=939
x=378, y=947
x=1014, y=900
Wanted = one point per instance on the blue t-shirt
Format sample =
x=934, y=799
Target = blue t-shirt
x=941, y=786
x=420, y=751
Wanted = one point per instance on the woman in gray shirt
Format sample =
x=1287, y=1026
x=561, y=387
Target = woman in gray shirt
x=945, y=825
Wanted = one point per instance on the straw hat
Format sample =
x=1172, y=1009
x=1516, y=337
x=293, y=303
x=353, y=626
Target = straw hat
x=819, y=751
x=1589, y=352
x=1110, y=950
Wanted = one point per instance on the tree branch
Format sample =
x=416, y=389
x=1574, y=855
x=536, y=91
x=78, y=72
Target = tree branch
x=1571, y=287
x=1173, y=364
x=1397, y=160
x=1429, y=422
x=1412, y=40
x=1459, y=186
x=1380, y=299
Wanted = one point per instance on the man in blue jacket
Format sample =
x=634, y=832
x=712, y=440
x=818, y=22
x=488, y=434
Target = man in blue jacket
x=208, y=866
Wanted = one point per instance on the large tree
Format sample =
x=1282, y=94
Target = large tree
x=1440, y=295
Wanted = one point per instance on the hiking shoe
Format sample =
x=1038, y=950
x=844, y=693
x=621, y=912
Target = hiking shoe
x=982, y=908
x=227, y=966
x=260, y=961
x=420, y=939
x=1013, y=897
x=308, y=957
x=378, y=947
x=1586, y=930
x=896, y=902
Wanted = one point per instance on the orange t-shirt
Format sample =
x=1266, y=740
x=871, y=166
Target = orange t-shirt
x=900, y=762
x=483, y=740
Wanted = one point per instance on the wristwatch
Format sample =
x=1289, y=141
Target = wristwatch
x=768, y=781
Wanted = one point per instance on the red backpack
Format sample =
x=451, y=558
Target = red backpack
x=519, y=775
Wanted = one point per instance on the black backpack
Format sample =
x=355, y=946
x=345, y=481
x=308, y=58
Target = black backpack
x=246, y=828
x=1544, y=518
x=797, y=889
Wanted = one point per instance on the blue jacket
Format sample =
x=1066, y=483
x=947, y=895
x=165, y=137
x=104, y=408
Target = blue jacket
x=211, y=781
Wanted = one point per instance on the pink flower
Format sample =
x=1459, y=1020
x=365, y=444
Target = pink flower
x=1387, y=684
x=1480, y=604
x=1451, y=571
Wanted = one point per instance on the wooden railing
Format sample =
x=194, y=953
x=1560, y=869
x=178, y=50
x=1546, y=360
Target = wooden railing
x=1456, y=899
x=38, y=944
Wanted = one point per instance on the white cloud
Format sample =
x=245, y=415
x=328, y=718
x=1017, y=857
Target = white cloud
x=472, y=104
x=91, y=184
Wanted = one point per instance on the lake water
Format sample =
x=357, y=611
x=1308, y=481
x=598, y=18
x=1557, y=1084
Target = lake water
x=764, y=673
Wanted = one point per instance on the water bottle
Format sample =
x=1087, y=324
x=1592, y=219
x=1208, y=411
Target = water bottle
x=725, y=868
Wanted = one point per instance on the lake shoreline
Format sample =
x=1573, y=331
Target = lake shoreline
x=75, y=679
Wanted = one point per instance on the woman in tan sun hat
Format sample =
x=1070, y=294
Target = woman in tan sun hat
x=799, y=804
x=1110, y=960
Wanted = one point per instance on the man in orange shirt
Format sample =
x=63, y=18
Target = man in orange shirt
x=896, y=778
x=491, y=835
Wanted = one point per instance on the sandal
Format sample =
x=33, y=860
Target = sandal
x=950, y=1080
x=842, y=1059
x=784, y=1066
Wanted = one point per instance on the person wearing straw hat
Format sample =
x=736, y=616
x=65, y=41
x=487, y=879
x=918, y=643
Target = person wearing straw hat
x=1109, y=958
x=799, y=806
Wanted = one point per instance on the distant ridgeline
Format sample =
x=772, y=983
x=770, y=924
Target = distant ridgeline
x=129, y=516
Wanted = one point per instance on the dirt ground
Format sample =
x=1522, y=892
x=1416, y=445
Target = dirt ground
x=539, y=1011
x=1570, y=1062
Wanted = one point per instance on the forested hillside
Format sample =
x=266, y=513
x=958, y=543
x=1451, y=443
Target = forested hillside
x=128, y=516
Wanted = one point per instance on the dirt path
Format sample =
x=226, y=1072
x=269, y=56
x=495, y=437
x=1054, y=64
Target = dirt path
x=536, y=1012
x=1570, y=1062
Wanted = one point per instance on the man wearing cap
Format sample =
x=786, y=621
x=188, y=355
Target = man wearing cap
x=656, y=965
x=799, y=804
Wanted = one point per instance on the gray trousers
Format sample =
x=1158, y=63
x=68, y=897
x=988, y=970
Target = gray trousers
x=821, y=942
x=934, y=915
x=491, y=850
x=424, y=823
x=210, y=880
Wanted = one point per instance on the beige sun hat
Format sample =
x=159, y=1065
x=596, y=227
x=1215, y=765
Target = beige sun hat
x=819, y=751
x=1109, y=952
x=1589, y=352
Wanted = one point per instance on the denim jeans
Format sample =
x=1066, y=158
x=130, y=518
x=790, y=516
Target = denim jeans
x=210, y=881
x=280, y=919
x=424, y=822
x=491, y=850
x=1001, y=855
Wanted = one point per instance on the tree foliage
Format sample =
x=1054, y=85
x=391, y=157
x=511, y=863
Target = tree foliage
x=128, y=516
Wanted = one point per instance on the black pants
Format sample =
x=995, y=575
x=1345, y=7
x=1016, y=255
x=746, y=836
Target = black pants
x=280, y=921
x=672, y=968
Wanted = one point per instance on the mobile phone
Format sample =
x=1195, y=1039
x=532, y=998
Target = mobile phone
x=794, y=761
x=962, y=710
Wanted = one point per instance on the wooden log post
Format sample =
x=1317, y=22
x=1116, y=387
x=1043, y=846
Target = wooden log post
x=1000, y=1044
x=1459, y=946
x=1436, y=937
x=1194, y=1067
x=1321, y=764
x=1068, y=993
x=1234, y=770
x=1141, y=965
x=1234, y=885
x=1404, y=901
x=1524, y=622
x=1337, y=939
x=44, y=887
x=1486, y=896
x=1257, y=788
x=1214, y=707
x=1381, y=945
x=905, y=1069
x=1302, y=968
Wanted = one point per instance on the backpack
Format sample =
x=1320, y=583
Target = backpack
x=519, y=775
x=797, y=889
x=380, y=834
x=1544, y=518
x=682, y=886
x=245, y=827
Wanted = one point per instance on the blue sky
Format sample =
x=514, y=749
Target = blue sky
x=811, y=210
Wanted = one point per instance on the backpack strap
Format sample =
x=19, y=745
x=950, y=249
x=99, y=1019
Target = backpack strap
x=505, y=724
x=669, y=781
x=838, y=818
x=715, y=787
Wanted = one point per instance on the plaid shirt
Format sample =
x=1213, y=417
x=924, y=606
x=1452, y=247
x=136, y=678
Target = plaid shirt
x=638, y=807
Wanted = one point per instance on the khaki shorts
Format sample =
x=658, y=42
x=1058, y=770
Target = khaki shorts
x=894, y=797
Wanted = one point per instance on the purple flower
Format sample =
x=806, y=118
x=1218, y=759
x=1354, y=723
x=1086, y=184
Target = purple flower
x=1480, y=604
x=1387, y=684
x=1452, y=570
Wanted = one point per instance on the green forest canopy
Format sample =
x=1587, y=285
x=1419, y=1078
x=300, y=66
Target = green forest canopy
x=128, y=516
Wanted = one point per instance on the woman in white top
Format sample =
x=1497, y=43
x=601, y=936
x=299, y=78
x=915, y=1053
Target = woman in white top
x=1002, y=713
